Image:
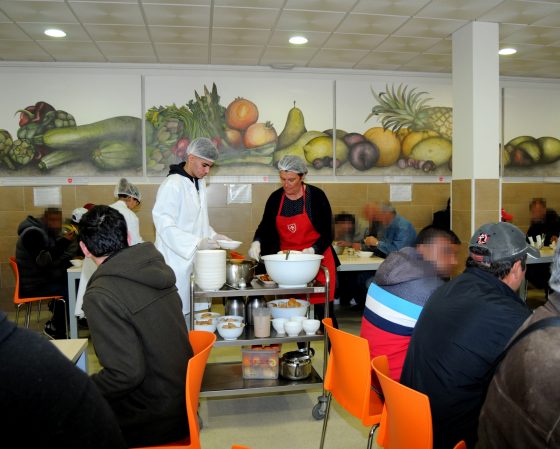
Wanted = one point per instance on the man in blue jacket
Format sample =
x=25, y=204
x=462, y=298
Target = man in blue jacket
x=464, y=327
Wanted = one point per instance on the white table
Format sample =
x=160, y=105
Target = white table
x=73, y=274
x=75, y=350
x=355, y=263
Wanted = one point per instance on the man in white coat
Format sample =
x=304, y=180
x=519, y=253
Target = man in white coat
x=180, y=214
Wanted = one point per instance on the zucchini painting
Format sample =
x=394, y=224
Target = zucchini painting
x=50, y=142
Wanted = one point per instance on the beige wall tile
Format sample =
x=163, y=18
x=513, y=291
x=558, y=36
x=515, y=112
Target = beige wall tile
x=461, y=195
x=11, y=199
x=462, y=225
x=486, y=216
x=487, y=194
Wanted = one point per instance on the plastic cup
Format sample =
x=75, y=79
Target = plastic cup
x=261, y=322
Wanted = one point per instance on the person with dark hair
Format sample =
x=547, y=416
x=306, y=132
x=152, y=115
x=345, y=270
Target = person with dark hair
x=545, y=224
x=463, y=328
x=526, y=382
x=400, y=288
x=43, y=255
x=39, y=387
x=138, y=331
x=442, y=218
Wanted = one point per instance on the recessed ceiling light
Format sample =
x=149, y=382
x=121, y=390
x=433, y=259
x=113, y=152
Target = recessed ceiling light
x=507, y=51
x=53, y=32
x=298, y=40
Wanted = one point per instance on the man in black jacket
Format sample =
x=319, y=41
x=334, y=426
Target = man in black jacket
x=138, y=331
x=43, y=255
x=464, y=327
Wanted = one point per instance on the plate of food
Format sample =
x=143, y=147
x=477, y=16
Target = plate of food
x=266, y=280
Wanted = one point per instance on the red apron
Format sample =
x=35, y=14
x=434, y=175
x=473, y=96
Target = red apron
x=297, y=232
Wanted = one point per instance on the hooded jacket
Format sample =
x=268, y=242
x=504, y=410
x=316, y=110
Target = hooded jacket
x=526, y=385
x=42, y=259
x=401, y=287
x=140, y=337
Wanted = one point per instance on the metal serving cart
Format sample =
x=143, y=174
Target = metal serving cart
x=226, y=378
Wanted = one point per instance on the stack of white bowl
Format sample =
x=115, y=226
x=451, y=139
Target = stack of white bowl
x=210, y=269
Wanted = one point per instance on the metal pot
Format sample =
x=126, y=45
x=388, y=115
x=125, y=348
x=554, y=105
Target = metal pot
x=239, y=269
x=235, y=306
x=296, y=365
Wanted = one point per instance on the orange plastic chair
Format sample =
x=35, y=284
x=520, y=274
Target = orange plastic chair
x=348, y=379
x=28, y=302
x=201, y=342
x=407, y=417
x=406, y=422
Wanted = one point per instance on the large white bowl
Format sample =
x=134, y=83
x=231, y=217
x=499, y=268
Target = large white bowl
x=296, y=271
x=230, y=333
x=287, y=312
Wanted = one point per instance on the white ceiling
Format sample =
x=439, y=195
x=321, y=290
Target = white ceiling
x=409, y=35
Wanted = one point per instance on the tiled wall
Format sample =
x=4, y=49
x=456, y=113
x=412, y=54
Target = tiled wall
x=236, y=221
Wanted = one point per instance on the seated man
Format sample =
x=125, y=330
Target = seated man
x=462, y=330
x=522, y=406
x=388, y=231
x=43, y=254
x=544, y=222
x=138, y=331
x=39, y=387
x=402, y=284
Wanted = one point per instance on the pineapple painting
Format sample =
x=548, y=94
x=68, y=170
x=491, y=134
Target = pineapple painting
x=425, y=132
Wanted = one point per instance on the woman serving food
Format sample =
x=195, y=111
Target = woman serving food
x=298, y=217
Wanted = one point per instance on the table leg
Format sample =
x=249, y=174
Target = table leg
x=72, y=278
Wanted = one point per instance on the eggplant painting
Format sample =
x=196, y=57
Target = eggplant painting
x=49, y=141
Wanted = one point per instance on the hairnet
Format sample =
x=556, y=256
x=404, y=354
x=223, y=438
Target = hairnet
x=204, y=148
x=78, y=213
x=127, y=188
x=294, y=164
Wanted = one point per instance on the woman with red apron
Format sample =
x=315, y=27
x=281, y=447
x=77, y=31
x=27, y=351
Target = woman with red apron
x=287, y=225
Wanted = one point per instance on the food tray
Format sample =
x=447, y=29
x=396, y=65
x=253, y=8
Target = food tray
x=262, y=278
x=259, y=363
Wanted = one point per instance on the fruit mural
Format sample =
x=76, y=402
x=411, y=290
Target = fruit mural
x=526, y=151
x=48, y=138
x=410, y=137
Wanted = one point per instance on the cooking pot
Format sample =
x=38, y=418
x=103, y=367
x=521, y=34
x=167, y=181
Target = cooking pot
x=296, y=365
x=240, y=269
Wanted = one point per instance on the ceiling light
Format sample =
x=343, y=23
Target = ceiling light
x=298, y=40
x=53, y=32
x=507, y=51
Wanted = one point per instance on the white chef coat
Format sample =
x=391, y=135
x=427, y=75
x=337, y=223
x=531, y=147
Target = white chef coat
x=180, y=217
x=89, y=267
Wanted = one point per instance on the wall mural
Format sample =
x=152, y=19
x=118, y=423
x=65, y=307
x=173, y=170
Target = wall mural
x=72, y=125
x=405, y=133
x=532, y=147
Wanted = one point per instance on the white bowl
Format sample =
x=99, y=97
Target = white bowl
x=278, y=325
x=228, y=244
x=298, y=318
x=230, y=333
x=364, y=254
x=77, y=262
x=230, y=319
x=287, y=312
x=296, y=271
x=293, y=328
x=311, y=326
x=205, y=327
x=207, y=315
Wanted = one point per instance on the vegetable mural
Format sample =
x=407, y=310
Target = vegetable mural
x=48, y=138
x=411, y=137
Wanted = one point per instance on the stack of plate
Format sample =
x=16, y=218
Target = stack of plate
x=210, y=269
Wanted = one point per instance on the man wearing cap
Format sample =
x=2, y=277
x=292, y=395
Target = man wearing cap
x=180, y=214
x=464, y=327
